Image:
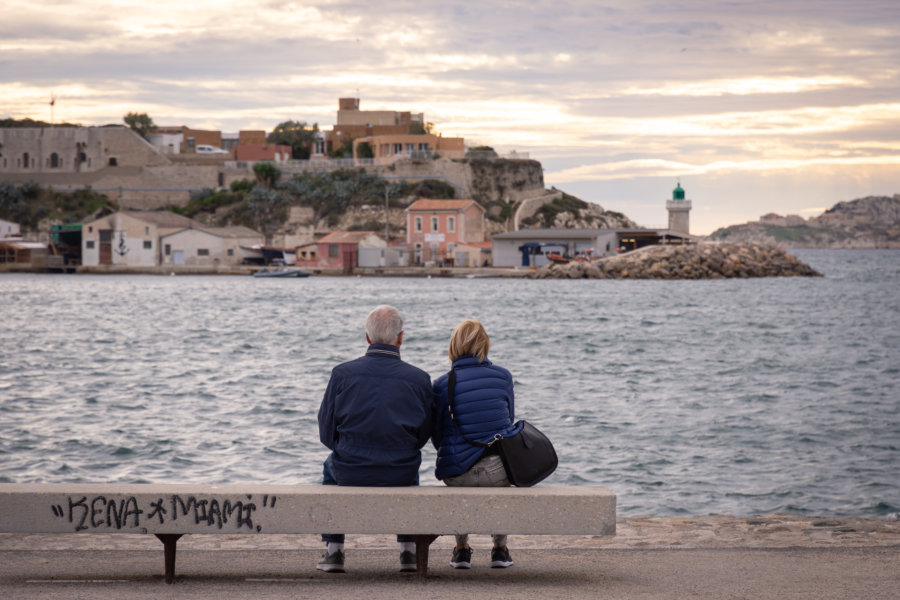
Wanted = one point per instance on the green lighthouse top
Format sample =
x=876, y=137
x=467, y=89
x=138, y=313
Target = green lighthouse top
x=678, y=192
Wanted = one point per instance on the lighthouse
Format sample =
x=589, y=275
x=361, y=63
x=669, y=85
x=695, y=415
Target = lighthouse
x=679, y=211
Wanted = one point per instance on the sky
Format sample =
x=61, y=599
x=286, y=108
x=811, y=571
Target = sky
x=754, y=106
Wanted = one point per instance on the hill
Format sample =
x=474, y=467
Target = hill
x=871, y=222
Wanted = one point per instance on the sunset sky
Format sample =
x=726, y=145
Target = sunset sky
x=757, y=107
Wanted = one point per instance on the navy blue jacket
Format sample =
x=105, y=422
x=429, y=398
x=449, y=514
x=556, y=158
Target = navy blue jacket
x=483, y=405
x=375, y=417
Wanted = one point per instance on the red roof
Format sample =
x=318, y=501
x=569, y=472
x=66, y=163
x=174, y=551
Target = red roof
x=430, y=205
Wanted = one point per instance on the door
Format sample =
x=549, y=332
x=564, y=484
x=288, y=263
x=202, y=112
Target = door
x=106, y=246
x=178, y=257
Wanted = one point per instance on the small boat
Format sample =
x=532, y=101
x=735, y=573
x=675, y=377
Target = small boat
x=280, y=271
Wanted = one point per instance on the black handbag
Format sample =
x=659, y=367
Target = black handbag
x=528, y=456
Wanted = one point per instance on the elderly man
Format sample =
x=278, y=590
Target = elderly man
x=375, y=418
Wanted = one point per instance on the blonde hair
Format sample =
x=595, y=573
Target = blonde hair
x=469, y=337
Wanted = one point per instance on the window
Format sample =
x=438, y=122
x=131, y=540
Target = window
x=146, y=231
x=168, y=249
x=419, y=224
x=434, y=223
x=25, y=160
x=410, y=148
x=451, y=224
x=231, y=252
x=148, y=245
x=333, y=251
x=190, y=144
x=202, y=252
x=89, y=244
x=398, y=149
x=54, y=161
x=113, y=162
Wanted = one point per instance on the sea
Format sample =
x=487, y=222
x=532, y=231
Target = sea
x=685, y=398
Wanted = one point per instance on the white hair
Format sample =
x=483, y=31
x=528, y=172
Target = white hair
x=384, y=324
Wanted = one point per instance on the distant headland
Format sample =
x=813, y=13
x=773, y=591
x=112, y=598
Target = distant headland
x=871, y=222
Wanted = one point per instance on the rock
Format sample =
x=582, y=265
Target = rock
x=698, y=261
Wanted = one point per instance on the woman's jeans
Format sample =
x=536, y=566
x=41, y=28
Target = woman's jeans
x=328, y=479
x=487, y=472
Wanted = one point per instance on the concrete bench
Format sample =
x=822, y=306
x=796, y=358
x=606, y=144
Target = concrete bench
x=170, y=511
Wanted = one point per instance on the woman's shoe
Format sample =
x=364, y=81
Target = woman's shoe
x=500, y=558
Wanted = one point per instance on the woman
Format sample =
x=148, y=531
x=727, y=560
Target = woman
x=482, y=406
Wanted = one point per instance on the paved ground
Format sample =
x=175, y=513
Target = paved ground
x=650, y=558
x=868, y=573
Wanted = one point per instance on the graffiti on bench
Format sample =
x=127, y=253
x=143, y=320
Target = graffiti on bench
x=126, y=512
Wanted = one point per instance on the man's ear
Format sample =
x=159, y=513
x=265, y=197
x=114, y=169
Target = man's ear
x=399, y=339
x=368, y=341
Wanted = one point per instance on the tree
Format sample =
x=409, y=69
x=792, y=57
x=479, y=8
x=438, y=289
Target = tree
x=139, y=122
x=266, y=173
x=297, y=135
x=364, y=150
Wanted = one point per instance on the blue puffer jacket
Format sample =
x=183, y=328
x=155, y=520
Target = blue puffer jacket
x=483, y=405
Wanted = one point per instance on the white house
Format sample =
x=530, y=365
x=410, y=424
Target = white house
x=8, y=229
x=216, y=246
x=129, y=238
x=528, y=247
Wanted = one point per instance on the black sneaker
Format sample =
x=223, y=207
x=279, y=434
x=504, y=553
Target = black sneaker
x=462, y=558
x=332, y=563
x=408, y=562
x=500, y=558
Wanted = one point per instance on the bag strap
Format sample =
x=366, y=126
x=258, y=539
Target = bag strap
x=451, y=388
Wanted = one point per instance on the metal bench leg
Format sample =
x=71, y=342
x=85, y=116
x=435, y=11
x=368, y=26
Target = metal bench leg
x=422, y=544
x=169, y=540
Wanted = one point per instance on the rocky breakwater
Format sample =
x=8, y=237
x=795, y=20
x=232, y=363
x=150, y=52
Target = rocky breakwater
x=694, y=261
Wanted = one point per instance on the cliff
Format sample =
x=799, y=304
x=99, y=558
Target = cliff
x=695, y=261
x=871, y=222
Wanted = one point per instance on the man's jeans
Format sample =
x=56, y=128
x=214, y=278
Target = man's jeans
x=338, y=538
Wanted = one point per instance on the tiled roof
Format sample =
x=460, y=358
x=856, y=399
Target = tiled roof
x=235, y=231
x=428, y=204
x=164, y=218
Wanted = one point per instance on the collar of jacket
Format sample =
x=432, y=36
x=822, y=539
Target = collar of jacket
x=383, y=350
x=469, y=360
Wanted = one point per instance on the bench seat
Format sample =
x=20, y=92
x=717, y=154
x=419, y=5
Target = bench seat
x=170, y=511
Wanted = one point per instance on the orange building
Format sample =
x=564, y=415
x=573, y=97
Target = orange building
x=390, y=134
x=434, y=228
x=253, y=152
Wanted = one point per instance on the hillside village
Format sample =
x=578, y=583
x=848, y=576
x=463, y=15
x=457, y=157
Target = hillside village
x=382, y=182
x=381, y=189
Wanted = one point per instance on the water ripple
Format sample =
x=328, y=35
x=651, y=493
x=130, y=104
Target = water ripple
x=685, y=398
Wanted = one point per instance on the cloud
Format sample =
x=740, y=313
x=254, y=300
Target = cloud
x=597, y=93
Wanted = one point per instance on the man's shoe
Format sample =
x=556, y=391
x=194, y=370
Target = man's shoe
x=408, y=562
x=462, y=558
x=500, y=558
x=332, y=563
